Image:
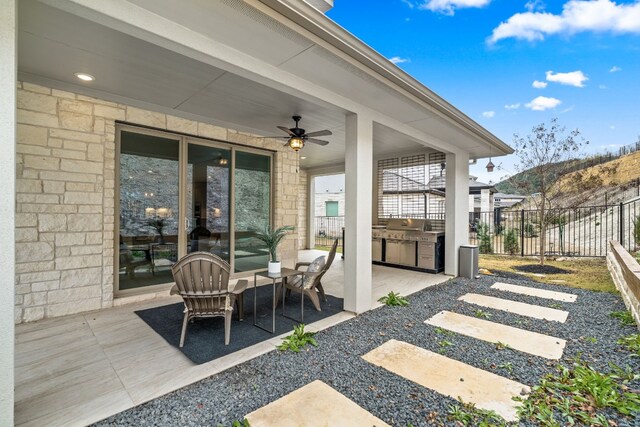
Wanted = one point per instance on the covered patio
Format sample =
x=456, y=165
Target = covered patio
x=79, y=369
x=169, y=82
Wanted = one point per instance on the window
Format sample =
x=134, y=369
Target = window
x=409, y=187
x=331, y=208
x=179, y=195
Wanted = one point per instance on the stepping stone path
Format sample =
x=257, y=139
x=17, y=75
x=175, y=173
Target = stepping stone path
x=519, y=339
x=535, y=292
x=449, y=377
x=529, y=310
x=315, y=404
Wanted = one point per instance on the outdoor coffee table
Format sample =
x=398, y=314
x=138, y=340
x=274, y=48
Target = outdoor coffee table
x=285, y=273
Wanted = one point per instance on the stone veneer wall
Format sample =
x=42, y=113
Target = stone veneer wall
x=65, y=187
x=625, y=272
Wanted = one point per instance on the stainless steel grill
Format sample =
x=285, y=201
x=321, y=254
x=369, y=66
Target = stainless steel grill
x=408, y=242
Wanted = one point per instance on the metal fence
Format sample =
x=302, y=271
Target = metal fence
x=327, y=229
x=578, y=232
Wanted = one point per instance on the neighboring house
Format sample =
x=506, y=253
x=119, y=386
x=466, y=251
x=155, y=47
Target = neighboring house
x=503, y=200
x=481, y=195
x=329, y=196
x=98, y=97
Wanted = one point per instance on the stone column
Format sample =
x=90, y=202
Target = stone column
x=485, y=208
x=8, y=77
x=359, y=188
x=456, y=209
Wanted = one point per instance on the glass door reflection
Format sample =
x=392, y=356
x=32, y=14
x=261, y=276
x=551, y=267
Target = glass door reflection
x=149, y=199
x=208, y=200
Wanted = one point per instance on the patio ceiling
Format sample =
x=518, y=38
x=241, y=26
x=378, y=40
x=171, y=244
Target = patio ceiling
x=54, y=44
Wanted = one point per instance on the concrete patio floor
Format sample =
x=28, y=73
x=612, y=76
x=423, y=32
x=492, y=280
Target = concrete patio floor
x=79, y=369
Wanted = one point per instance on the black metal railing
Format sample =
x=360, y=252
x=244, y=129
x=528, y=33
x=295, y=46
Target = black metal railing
x=327, y=229
x=577, y=232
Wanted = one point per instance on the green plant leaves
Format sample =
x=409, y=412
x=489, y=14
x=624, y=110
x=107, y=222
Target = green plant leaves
x=298, y=340
x=394, y=299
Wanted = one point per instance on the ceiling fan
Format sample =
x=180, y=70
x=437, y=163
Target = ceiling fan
x=297, y=137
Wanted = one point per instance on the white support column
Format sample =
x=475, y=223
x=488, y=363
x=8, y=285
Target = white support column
x=311, y=212
x=456, y=209
x=359, y=193
x=8, y=76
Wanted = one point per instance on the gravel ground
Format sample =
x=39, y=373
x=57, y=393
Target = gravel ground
x=337, y=361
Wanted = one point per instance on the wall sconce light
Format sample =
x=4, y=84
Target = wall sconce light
x=150, y=212
x=222, y=161
x=216, y=212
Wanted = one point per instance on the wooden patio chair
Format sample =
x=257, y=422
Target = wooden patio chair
x=129, y=263
x=202, y=279
x=311, y=283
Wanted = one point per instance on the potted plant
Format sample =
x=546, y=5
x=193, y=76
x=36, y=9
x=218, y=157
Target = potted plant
x=272, y=237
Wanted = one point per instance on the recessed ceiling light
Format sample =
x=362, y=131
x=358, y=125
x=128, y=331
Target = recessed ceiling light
x=302, y=158
x=85, y=77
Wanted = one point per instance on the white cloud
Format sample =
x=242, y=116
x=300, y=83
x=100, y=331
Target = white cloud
x=577, y=16
x=574, y=78
x=488, y=114
x=602, y=87
x=542, y=103
x=398, y=60
x=538, y=84
x=615, y=69
x=512, y=106
x=534, y=5
x=612, y=127
x=447, y=7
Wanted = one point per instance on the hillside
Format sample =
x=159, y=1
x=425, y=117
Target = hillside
x=607, y=183
x=510, y=185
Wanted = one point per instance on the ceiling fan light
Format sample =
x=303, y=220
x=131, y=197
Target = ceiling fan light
x=296, y=143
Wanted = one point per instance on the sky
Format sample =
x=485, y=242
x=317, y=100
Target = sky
x=513, y=64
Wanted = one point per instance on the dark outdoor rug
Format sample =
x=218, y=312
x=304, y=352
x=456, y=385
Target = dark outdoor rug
x=205, y=337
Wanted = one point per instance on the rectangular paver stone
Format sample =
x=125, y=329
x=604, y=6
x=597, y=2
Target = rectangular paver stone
x=315, y=404
x=526, y=341
x=523, y=309
x=535, y=292
x=449, y=377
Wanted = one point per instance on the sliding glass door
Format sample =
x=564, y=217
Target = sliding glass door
x=252, y=185
x=208, y=200
x=149, y=209
x=179, y=195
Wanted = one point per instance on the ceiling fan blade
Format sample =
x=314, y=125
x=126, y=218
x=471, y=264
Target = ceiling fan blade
x=274, y=137
x=317, y=141
x=286, y=144
x=319, y=133
x=287, y=130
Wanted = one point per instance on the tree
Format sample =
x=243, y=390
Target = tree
x=547, y=153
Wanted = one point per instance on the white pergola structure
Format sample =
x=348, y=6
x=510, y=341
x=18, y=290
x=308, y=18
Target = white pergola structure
x=245, y=64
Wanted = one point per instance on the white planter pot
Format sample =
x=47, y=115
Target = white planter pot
x=275, y=267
